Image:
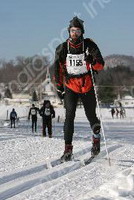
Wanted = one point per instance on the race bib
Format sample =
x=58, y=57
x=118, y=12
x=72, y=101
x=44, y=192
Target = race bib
x=33, y=112
x=76, y=64
x=13, y=115
x=47, y=111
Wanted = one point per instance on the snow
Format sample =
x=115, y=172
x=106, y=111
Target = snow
x=27, y=162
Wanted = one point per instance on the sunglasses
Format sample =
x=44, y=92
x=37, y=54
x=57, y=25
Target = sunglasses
x=78, y=31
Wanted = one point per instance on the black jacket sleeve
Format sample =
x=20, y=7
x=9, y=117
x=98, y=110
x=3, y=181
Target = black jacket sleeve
x=15, y=114
x=94, y=52
x=52, y=112
x=60, y=58
x=29, y=113
x=41, y=111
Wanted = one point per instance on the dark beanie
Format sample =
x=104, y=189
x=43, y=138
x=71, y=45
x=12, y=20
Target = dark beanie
x=76, y=22
x=46, y=101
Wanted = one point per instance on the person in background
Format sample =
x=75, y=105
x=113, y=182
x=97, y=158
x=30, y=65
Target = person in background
x=122, y=113
x=33, y=114
x=117, y=112
x=47, y=113
x=112, y=112
x=13, y=117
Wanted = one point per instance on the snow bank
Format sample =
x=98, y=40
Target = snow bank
x=27, y=173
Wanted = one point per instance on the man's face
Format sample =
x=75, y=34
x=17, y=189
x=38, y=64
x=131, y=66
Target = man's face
x=75, y=33
x=47, y=105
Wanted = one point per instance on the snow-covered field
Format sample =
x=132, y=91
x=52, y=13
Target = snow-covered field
x=27, y=161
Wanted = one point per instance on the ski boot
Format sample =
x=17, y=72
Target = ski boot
x=96, y=139
x=96, y=128
x=96, y=144
x=67, y=156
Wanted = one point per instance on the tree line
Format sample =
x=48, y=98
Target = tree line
x=110, y=82
x=113, y=82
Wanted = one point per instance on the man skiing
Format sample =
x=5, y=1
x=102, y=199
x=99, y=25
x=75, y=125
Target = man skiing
x=33, y=113
x=47, y=113
x=13, y=117
x=73, y=62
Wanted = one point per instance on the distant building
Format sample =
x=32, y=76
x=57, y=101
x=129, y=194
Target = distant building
x=18, y=99
x=47, y=90
x=126, y=101
x=2, y=90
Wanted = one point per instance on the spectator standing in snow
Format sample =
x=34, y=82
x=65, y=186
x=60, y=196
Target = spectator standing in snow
x=33, y=114
x=122, y=113
x=47, y=113
x=13, y=117
x=73, y=61
x=117, y=112
x=112, y=112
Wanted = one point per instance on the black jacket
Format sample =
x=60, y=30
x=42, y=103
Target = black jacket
x=13, y=115
x=61, y=54
x=47, y=112
x=33, y=112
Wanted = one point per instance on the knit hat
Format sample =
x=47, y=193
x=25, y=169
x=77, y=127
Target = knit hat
x=76, y=22
x=45, y=102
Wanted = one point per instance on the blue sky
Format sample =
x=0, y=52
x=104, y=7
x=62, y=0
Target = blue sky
x=29, y=27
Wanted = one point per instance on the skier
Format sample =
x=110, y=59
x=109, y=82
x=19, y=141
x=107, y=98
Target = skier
x=112, y=112
x=33, y=113
x=13, y=117
x=73, y=60
x=117, y=112
x=122, y=113
x=47, y=113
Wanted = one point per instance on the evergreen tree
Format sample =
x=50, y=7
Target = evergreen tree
x=8, y=93
x=34, y=96
x=106, y=94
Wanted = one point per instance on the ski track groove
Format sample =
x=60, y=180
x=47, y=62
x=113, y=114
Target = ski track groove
x=14, y=190
x=37, y=168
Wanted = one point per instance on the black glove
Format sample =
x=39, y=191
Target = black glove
x=95, y=71
x=60, y=92
x=89, y=58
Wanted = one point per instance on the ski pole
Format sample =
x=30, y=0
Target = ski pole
x=100, y=116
